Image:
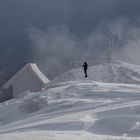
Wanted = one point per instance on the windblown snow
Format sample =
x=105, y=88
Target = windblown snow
x=104, y=106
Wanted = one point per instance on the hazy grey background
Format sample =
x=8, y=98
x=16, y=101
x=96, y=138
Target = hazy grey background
x=56, y=33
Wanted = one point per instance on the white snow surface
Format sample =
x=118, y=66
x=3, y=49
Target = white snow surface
x=104, y=106
x=111, y=72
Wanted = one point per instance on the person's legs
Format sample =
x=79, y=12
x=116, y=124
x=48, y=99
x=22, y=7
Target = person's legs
x=85, y=70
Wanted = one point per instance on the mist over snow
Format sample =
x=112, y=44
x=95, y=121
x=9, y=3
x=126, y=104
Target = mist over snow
x=80, y=17
x=82, y=20
x=57, y=48
x=57, y=35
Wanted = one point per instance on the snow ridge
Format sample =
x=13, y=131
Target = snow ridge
x=110, y=72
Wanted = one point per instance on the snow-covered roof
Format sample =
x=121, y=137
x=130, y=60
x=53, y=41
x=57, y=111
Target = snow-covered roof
x=31, y=67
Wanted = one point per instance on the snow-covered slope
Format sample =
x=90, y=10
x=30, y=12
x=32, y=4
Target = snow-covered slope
x=111, y=72
x=73, y=107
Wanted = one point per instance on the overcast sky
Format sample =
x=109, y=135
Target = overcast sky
x=27, y=24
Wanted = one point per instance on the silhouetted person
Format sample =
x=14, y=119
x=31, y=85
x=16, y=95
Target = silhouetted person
x=85, y=66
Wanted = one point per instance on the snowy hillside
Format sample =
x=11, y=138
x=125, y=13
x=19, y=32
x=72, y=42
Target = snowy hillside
x=105, y=106
x=112, y=72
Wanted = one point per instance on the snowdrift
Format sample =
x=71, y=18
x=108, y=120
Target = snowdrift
x=104, y=106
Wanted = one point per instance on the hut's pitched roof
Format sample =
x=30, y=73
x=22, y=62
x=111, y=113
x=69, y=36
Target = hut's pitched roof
x=31, y=67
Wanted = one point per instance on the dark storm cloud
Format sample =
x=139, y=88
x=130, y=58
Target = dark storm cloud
x=81, y=17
